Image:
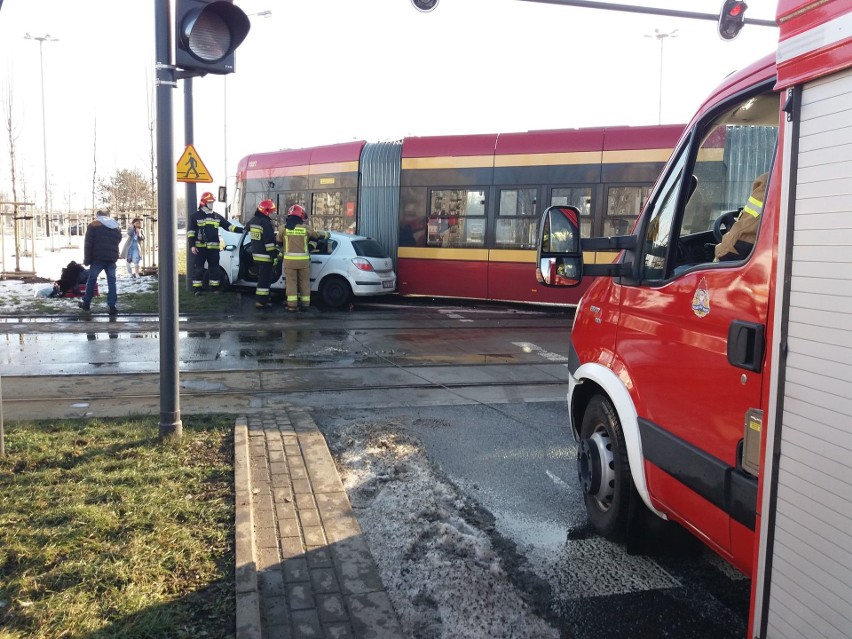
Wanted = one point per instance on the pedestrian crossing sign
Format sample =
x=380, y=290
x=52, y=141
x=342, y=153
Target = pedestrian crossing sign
x=190, y=168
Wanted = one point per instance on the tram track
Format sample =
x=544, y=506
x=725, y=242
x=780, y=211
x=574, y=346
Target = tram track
x=321, y=383
x=269, y=392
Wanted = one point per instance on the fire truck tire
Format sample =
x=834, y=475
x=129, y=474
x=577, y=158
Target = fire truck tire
x=604, y=470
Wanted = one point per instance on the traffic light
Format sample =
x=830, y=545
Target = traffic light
x=731, y=18
x=207, y=33
x=424, y=5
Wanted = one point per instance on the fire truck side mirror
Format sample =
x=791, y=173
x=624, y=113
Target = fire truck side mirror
x=559, y=261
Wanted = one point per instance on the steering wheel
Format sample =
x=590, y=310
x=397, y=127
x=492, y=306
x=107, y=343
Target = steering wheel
x=724, y=223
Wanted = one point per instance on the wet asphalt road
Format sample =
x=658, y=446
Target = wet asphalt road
x=482, y=387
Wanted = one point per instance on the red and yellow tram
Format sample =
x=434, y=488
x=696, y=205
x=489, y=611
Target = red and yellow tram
x=459, y=214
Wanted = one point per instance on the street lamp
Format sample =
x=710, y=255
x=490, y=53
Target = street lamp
x=260, y=14
x=661, y=37
x=41, y=40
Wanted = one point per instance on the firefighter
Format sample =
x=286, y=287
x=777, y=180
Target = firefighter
x=203, y=238
x=263, y=250
x=736, y=244
x=297, y=261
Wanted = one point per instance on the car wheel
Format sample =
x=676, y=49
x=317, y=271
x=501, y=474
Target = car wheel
x=604, y=470
x=224, y=283
x=335, y=291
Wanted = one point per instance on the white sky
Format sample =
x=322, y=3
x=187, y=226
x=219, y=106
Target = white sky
x=325, y=71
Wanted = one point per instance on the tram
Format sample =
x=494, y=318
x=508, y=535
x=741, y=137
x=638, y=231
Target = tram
x=459, y=214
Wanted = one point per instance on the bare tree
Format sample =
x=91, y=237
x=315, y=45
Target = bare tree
x=152, y=119
x=8, y=110
x=94, y=163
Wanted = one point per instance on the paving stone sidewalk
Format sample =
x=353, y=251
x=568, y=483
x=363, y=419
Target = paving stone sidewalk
x=303, y=567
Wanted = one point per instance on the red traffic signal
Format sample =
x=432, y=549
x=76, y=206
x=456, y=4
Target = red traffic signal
x=731, y=18
x=208, y=33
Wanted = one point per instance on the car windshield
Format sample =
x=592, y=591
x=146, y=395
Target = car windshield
x=368, y=248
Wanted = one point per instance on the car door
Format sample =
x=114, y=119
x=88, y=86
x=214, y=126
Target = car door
x=322, y=261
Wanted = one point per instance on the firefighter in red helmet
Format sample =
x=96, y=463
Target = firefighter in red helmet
x=263, y=250
x=297, y=261
x=203, y=238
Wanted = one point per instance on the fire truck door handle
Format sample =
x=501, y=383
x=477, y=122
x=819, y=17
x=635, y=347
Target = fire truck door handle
x=746, y=345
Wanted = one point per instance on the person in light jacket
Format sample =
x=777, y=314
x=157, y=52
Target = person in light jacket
x=132, y=249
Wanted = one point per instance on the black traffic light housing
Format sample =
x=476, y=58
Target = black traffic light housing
x=206, y=35
x=731, y=18
x=424, y=5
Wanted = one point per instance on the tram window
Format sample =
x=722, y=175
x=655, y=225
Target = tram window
x=288, y=199
x=456, y=218
x=333, y=210
x=250, y=204
x=623, y=205
x=517, y=226
x=581, y=197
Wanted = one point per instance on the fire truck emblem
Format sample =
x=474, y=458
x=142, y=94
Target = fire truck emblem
x=701, y=299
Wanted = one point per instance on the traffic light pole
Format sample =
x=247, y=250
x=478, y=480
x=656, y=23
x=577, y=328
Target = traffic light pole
x=170, y=422
x=191, y=197
x=657, y=11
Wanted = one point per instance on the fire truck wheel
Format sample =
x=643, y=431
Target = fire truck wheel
x=603, y=470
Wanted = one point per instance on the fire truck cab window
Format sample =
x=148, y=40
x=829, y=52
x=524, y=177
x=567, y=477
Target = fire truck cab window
x=732, y=150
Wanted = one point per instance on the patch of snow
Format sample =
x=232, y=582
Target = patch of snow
x=27, y=292
x=439, y=565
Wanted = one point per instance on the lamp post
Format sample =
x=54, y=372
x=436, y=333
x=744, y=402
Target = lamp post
x=661, y=37
x=41, y=40
x=260, y=14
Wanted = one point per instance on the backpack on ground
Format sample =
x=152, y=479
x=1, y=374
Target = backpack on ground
x=72, y=282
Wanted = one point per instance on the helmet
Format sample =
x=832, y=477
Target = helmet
x=207, y=197
x=267, y=207
x=297, y=210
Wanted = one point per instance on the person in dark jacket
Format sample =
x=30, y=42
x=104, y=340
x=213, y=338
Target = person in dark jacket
x=263, y=250
x=100, y=253
x=203, y=238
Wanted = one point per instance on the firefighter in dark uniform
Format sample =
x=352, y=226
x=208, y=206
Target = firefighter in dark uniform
x=263, y=250
x=295, y=238
x=203, y=238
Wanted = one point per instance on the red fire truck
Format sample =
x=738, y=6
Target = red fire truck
x=716, y=391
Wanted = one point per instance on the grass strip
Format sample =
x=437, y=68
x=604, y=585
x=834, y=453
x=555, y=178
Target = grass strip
x=107, y=532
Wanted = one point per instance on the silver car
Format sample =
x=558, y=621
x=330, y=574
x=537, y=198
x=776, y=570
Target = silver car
x=342, y=266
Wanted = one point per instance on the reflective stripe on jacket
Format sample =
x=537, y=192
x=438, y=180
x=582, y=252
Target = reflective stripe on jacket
x=203, y=231
x=262, y=235
x=296, y=243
